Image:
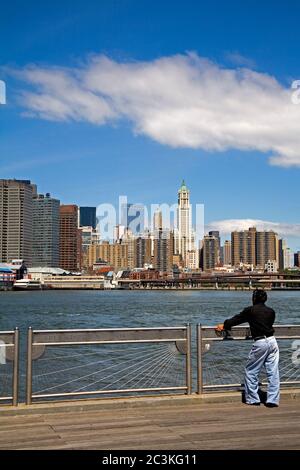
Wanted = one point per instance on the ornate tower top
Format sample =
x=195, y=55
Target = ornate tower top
x=183, y=187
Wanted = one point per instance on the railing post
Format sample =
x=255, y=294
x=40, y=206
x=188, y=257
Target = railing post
x=29, y=368
x=16, y=368
x=188, y=359
x=199, y=360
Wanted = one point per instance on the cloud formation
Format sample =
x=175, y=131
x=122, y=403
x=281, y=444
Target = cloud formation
x=181, y=101
x=227, y=226
x=238, y=59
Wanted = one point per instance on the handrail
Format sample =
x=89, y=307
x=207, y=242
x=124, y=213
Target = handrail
x=38, y=340
x=207, y=334
x=10, y=340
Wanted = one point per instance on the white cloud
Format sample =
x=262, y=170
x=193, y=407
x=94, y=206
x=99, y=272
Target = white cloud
x=180, y=101
x=227, y=226
x=238, y=59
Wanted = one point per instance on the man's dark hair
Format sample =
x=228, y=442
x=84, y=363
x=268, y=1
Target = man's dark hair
x=259, y=296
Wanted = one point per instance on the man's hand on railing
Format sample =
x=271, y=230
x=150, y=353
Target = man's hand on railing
x=219, y=329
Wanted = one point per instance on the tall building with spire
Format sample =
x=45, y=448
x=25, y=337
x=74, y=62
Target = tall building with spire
x=183, y=232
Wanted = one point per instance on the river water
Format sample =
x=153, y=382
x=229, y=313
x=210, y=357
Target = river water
x=101, y=309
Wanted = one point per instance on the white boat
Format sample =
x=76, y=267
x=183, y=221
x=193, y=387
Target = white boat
x=27, y=284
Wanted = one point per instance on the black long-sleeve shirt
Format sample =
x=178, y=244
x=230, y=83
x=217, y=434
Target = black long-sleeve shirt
x=260, y=318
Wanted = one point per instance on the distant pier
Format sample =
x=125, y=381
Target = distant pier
x=188, y=281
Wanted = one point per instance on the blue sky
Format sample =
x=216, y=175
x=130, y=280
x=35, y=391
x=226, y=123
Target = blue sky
x=86, y=162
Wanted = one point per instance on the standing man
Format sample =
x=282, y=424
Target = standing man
x=264, y=351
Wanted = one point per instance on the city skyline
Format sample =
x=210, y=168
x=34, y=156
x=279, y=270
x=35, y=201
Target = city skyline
x=44, y=232
x=225, y=227
x=228, y=172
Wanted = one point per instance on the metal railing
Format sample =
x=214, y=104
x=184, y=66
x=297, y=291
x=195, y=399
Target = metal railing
x=211, y=364
x=39, y=341
x=150, y=360
x=9, y=354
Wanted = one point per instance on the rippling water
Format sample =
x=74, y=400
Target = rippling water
x=100, y=309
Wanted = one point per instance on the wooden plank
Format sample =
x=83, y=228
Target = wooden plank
x=282, y=441
x=228, y=426
x=120, y=435
x=108, y=427
x=27, y=436
x=47, y=444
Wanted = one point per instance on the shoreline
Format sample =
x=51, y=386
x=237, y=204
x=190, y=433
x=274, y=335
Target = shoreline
x=160, y=289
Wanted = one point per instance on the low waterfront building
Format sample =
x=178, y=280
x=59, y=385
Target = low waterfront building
x=74, y=282
x=40, y=273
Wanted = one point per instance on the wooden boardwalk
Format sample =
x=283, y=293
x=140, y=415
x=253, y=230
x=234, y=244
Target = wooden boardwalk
x=163, y=425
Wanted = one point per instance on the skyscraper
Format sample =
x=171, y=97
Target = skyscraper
x=133, y=217
x=118, y=232
x=243, y=247
x=143, y=250
x=183, y=233
x=226, y=253
x=216, y=234
x=288, y=259
x=115, y=254
x=45, y=245
x=297, y=259
x=254, y=248
x=87, y=217
x=89, y=236
x=16, y=210
x=157, y=220
x=163, y=250
x=286, y=256
x=210, y=252
x=70, y=238
x=281, y=254
x=266, y=247
x=128, y=239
